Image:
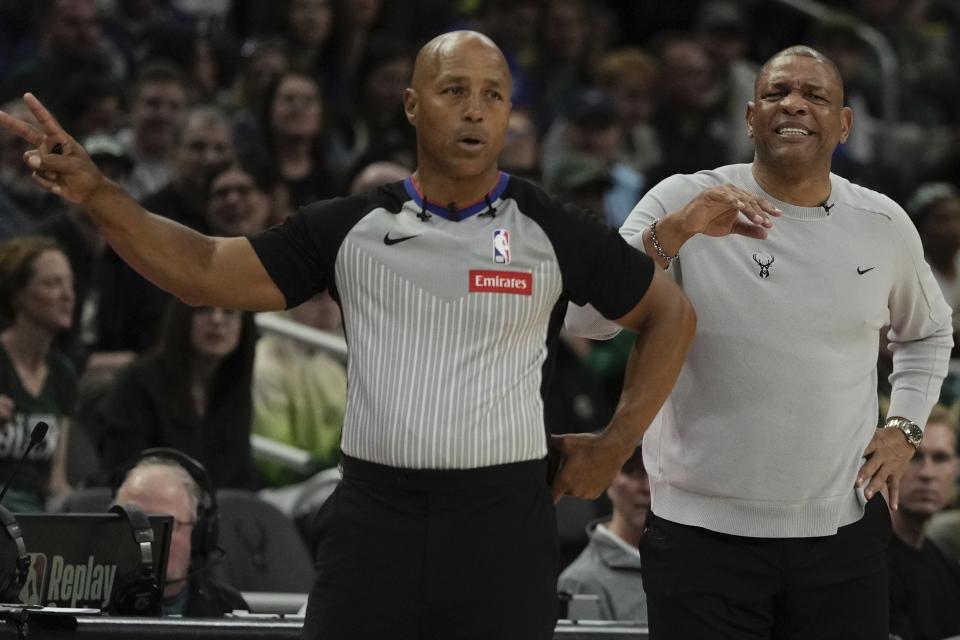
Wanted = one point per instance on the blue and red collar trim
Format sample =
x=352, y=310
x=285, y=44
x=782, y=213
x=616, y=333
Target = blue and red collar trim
x=460, y=214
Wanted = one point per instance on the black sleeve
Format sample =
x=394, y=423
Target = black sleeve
x=597, y=265
x=300, y=253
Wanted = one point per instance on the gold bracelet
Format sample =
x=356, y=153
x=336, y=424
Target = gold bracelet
x=656, y=245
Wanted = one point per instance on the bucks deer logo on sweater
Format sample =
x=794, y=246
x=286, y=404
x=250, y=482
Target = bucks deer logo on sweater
x=764, y=260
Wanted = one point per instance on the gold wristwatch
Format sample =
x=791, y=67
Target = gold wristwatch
x=909, y=428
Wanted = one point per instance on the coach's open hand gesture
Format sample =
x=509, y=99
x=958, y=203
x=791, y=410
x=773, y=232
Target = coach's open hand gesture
x=59, y=163
x=727, y=209
x=718, y=211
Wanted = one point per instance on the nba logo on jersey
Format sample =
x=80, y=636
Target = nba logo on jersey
x=32, y=592
x=501, y=246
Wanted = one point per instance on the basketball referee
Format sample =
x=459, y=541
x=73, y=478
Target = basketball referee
x=453, y=286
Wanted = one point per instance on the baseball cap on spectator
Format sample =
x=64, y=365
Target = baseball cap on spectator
x=103, y=147
x=592, y=107
x=721, y=16
x=575, y=172
x=927, y=195
x=634, y=464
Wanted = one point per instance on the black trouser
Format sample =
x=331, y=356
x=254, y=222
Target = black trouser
x=430, y=554
x=703, y=584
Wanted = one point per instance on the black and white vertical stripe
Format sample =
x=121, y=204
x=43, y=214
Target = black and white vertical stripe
x=442, y=383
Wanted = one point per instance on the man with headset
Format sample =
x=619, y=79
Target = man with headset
x=160, y=482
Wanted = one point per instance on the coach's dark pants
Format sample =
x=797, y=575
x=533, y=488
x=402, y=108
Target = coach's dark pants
x=445, y=555
x=705, y=585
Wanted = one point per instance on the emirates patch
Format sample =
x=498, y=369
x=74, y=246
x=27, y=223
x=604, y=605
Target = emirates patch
x=516, y=282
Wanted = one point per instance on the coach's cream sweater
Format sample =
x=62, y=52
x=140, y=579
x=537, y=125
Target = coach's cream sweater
x=764, y=432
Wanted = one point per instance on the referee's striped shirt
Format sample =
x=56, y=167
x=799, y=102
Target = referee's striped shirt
x=451, y=316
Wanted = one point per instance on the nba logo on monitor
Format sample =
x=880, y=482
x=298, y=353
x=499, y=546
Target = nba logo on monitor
x=32, y=592
x=501, y=246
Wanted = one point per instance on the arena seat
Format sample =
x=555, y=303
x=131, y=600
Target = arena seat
x=263, y=550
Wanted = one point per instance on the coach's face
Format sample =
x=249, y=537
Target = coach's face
x=460, y=104
x=797, y=117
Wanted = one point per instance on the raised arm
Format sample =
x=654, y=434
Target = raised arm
x=718, y=211
x=198, y=269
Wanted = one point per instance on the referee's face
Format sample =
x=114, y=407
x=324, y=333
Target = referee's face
x=460, y=105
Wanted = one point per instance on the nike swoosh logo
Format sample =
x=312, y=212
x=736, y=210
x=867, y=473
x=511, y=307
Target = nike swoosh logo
x=387, y=240
x=863, y=271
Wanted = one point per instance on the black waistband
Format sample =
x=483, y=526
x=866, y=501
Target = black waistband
x=525, y=472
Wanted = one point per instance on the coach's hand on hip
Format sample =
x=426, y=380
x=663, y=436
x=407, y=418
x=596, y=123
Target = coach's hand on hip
x=588, y=464
x=888, y=455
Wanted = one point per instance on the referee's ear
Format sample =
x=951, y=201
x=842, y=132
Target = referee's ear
x=410, y=102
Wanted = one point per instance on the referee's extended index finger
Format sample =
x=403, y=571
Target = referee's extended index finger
x=23, y=129
x=46, y=120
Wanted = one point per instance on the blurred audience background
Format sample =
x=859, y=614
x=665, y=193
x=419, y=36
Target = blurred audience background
x=228, y=116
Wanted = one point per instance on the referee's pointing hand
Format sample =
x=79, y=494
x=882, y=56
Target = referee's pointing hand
x=59, y=163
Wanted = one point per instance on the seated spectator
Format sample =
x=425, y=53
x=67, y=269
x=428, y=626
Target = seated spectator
x=37, y=382
x=515, y=26
x=581, y=180
x=261, y=62
x=90, y=106
x=72, y=44
x=724, y=32
x=292, y=127
x=692, y=130
x=23, y=204
x=609, y=566
x=77, y=234
x=520, y=155
x=241, y=201
x=570, y=36
x=376, y=127
x=935, y=209
x=592, y=127
x=630, y=76
x=307, y=30
x=131, y=308
x=161, y=484
x=925, y=581
x=300, y=393
x=135, y=27
x=192, y=393
x=159, y=100
x=201, y=147
x=355, y=25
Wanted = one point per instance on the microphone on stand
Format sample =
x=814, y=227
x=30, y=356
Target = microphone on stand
x=36, y=437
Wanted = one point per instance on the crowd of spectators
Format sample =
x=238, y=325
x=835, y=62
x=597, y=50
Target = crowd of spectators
x=227, y=116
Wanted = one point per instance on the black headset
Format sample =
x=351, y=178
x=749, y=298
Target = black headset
x=204, y=540
x=12, y=583
x=137, y=593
